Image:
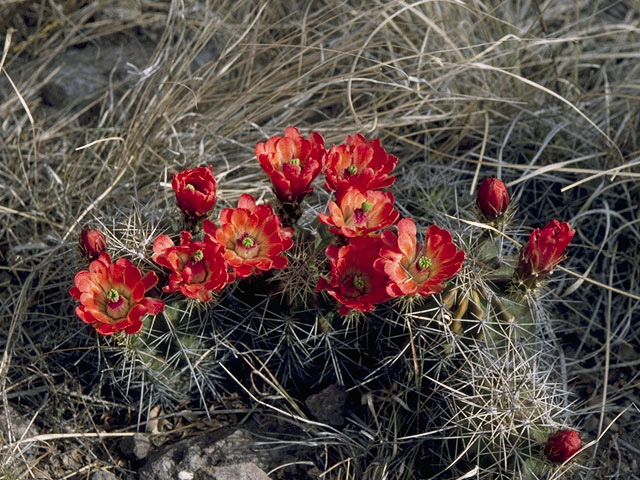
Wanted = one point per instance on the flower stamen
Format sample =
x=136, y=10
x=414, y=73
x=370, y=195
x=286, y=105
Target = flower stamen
x=113, y=295
x=198, y=255
x=358, y=282
x=424, y=262
x=352, y=170
x=114, y=300
x=247, y=242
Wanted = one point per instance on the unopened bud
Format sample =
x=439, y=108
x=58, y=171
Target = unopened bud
x=92, y=243
x=493, y=198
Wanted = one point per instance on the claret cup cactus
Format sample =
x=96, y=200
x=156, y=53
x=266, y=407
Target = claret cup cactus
x=427, y=326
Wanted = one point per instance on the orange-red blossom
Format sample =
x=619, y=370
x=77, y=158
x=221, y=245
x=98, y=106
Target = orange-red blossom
x=253, y=237
x=413, y=269
x=544, y=250
x=291, y=162
x=195, y=190
x=112, y=295
x=360, y=213
x=358, y=164
x=197, y=268
x=353, y=281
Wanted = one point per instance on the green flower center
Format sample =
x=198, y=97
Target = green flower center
x=352, y=170
x=113, y=295
x=295, y=161
x=198, y=255
x=248, y=242
x=358, y=282
x=190, y=187
x=424, y=262
x=366, y=206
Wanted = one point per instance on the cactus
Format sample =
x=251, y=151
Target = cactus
x=438, y=349
x=174, y=359
x=502, y=398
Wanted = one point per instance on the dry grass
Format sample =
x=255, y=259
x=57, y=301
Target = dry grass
x=542, y=93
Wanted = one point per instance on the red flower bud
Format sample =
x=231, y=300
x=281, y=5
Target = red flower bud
x=562, y=445
x=544, y=250
x=92, y=243
x=493, y=198
x=195, y=190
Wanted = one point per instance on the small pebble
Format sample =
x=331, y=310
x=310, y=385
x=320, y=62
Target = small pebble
x=136, y=447
x=102, y=475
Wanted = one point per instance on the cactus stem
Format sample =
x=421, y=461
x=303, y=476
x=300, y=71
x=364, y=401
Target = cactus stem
x=504, y=315
x=463, y=305
x=449, y=299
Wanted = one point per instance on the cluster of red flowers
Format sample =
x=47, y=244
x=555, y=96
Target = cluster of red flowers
x=372, y=267
x=373, y=264
x=249, y=239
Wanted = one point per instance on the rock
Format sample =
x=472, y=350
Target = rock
x=91, y=75
x=53, y=95
x=328, y=405
x=240, y=471
x=135, y=447
x=102, y=475
x=226, y=447
x=14, y=427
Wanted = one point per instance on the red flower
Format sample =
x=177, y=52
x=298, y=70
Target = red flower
x=292, y=162
x=253, y=237
x=358, y=163
x=493, y=198
x=195, y=190
x=544, y=250
x=92, y=243
x=353, y=281
x=112, y=295
x=360, y=213
x=562, y=445
x=198, y=267
x=415, y=270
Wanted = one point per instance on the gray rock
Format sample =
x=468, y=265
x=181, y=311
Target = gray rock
x=14, y=427
x=328, y=405
x=136, y=447
x=95, y=73
x=53, y=95
x=226, y=447
x=102, y=475
x=240, y=471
